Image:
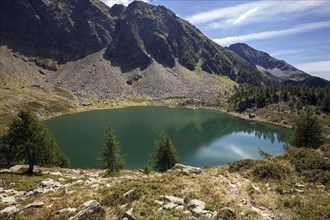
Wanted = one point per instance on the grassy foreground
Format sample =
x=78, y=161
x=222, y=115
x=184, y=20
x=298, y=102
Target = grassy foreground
x=294, y=185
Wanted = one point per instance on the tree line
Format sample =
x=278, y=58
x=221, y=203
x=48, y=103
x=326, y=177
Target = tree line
x=295, y=96
x=28, y=141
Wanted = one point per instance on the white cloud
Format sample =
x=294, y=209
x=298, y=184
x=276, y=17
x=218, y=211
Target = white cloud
x=319, y=68
x=259, y=11
x=245, y=15
x=123, y=2
x=272, y=34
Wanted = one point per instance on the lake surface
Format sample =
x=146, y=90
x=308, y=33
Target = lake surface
x=202, y=137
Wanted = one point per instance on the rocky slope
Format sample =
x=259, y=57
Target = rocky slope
x=276, y=69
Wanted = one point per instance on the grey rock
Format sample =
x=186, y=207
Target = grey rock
x=129, y=215
x=174, y=199
x=18, y=168
x=159, y=202
x=65, y=210
x=8, y=200
x=195, y=203
x=129, y=193
x=10, y=210
x=170, y=205
x=49, y=183
x=187, y=212
x=179, y=207
x=186, y=169
x=298, y=185
x=2, y=183
x=90, y=206
x=256, y=189
x=321, y=186
x=34, y=205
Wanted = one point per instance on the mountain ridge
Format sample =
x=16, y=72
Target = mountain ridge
x=102, y=54
x=275, y=68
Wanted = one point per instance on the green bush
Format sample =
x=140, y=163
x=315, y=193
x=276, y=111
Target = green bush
x=307, y=159
x=317, y=176
x=47, y=64
x=269, y=170
x=241, y=165
x=326, y=150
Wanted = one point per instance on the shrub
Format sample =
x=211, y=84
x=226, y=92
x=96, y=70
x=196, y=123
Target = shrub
x=269, y=170
x=307, y=159
x=241, y=165
x=326, y=150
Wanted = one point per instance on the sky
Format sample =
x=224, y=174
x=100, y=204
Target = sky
x=294, y=31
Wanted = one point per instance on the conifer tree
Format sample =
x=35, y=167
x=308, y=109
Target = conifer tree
x=111, y=157
x=307, y=131
x=164, y=157
x=29, y=141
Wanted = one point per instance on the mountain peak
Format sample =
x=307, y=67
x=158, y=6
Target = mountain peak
x=267, y=64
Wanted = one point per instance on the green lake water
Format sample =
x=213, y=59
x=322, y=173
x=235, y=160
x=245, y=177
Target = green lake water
x=202, y=137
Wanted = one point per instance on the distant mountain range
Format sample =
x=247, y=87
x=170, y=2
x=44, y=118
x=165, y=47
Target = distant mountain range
x=98, y=52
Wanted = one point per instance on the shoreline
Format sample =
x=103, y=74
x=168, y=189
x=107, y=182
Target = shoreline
x=163, y=103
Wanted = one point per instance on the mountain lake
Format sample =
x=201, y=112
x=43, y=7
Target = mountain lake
x=201, y=137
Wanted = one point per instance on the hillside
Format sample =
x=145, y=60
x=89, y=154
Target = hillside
x=294, y=185
x=278, y=70
x=102, y=57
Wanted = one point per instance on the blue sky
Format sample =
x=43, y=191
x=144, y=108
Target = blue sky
x=294, y=31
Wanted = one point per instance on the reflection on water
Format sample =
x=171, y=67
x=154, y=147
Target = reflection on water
x=202, y=137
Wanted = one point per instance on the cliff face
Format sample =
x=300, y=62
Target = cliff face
x=63, y=30
x=134, y=36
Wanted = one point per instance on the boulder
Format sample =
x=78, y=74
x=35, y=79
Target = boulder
x=179, y=207
x=90, y=206
x=56, y=173
x=298, y=185
x=34, y=205
x=170, y=205
x=19, y=168
x=176, y=200
x=128, y=193
x=252, y=115
x=186, y=169
x=49, y=183
x=159, y=202
x=2, y=183
x=129, y=215
x=65, y=210
x=198, y=212
x=195, y=203
x=8, y=200
x=10, y=210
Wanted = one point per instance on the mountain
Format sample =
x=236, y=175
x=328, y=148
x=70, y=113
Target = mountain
x=274, y=68
x=104, y=55
x=134, y=36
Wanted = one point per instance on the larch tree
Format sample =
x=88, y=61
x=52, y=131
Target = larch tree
x=165, y=156
x=29, y=141
x=111, y=158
